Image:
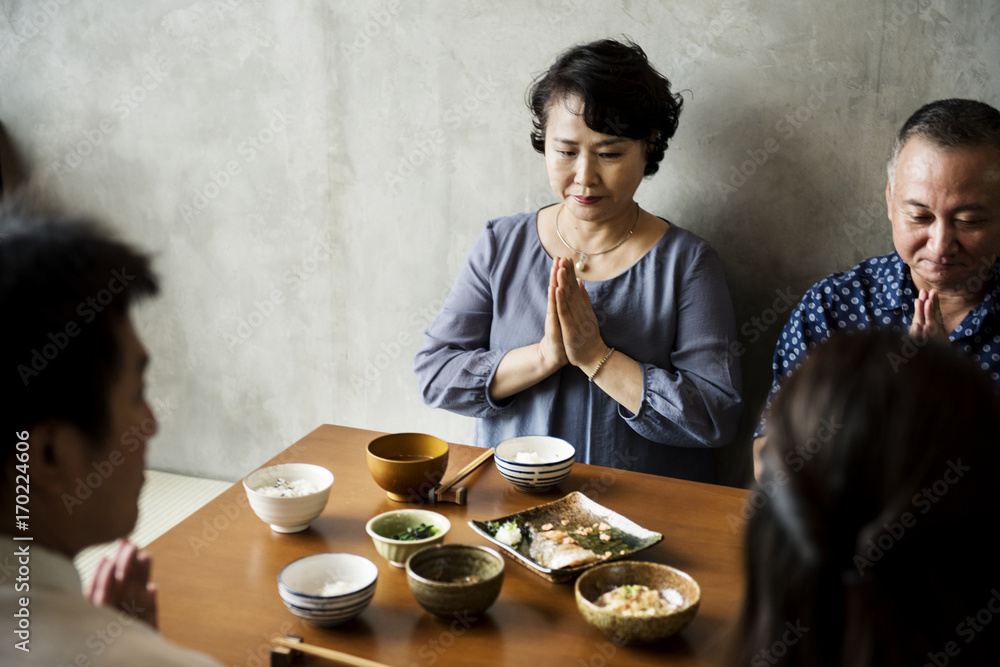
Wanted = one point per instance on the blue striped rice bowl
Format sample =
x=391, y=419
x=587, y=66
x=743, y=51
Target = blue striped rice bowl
x=329, y=588
x=535, y=463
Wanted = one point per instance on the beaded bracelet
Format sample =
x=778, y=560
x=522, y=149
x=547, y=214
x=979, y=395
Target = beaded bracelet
x=600, y=363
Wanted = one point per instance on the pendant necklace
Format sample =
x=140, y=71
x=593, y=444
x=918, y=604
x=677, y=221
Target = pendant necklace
x=581, y=264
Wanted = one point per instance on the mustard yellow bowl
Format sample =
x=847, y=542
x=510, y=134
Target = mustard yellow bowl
x=407, y=465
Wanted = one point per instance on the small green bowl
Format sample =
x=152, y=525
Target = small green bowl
x=382, y=527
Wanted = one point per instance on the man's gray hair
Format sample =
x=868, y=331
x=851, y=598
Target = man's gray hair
x=949, y=123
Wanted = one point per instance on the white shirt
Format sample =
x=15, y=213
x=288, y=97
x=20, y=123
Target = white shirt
x=65, y=628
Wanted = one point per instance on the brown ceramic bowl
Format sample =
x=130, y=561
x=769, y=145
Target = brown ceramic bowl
x=593, y=583
x=455, y=578
x=407, y=465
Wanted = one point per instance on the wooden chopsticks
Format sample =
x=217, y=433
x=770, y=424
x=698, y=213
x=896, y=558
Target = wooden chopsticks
x=461, y=474
x=327, y=653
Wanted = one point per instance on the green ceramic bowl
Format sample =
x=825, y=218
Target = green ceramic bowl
x=382, y=528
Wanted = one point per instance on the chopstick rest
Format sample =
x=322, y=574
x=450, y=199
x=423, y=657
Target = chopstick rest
x=439, y=494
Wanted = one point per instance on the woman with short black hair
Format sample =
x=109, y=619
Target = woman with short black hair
x=592, y=319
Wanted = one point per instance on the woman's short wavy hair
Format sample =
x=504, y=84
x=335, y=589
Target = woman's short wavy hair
x=622, y=93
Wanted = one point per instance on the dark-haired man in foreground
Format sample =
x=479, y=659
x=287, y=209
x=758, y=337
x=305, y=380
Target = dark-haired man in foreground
x=72, y=377
x=943, y=279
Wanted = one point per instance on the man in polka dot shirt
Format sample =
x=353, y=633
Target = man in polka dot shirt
x=943, y=197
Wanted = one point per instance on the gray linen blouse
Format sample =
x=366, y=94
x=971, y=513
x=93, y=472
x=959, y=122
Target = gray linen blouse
x=670, y=311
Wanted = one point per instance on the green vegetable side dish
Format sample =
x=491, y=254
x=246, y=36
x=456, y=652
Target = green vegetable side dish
x=421, y=532
x=629, y=590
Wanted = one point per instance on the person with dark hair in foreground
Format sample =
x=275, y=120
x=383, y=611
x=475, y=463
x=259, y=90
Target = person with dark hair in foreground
x=872, y=542
x=943, y=278
x=592, y=319
x=72, y=381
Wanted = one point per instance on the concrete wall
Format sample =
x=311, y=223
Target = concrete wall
x=310, y=175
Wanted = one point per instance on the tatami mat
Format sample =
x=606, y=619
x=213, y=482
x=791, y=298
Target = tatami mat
x=165, y=500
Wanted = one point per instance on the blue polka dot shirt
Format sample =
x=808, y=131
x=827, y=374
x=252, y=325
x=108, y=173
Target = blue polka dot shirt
x=879, y=293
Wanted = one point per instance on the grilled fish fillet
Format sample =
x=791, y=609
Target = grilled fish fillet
x=556, y=549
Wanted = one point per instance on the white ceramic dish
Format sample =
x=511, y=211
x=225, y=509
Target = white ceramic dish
x=288, y=514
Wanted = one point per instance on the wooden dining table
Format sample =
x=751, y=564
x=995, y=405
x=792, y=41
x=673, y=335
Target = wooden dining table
x=217, y=570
